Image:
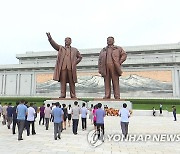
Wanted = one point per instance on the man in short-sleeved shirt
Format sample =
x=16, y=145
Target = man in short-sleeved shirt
x=47, y=115
x=100, y=114
x=21, y=111
x=124, y=114
x=75, y=117
x=31, y=119
x=84, y=116
x=21, y=114
x=57, y=114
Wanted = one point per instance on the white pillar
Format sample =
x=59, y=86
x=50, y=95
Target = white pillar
x=17, y=84
x=173, y=82
x=4, y=84
x=176, y=90
x=33, y=88
x=178, y=84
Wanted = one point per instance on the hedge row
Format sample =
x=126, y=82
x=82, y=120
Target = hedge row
x=134, y=101
x=156, y=101
x=29, y=99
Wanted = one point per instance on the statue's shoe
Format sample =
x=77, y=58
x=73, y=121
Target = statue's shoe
x=74, y=97
x=106, y=97
x=62, y=96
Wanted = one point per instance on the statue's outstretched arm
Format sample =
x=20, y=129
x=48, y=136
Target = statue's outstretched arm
x=52, y=42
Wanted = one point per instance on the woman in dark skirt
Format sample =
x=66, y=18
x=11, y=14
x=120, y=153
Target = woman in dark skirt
x=65, y=116
x=69, y=111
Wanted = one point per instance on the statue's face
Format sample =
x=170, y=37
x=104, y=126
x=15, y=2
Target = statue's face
x=110, y=40
x=67, y=41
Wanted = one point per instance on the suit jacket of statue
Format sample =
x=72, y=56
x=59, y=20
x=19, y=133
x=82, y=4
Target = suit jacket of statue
x=75, y=59
x=118, y=56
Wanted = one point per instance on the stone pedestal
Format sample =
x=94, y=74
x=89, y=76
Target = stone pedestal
x=66, y=101
x=111, y=103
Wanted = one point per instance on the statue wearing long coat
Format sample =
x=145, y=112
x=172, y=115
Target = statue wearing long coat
x=75, y=59
x=118, y=56
x=109, y=66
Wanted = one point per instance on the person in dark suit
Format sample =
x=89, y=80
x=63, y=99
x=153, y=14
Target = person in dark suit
x=36, y=109
x=42, y=108
x=174, y=112
x=26, y=123
x=14, y=115
x=9, y=115
x=160, y=109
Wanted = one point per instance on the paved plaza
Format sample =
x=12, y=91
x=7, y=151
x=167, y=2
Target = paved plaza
x=43, y=141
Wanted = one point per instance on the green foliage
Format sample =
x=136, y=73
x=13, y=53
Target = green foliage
x=156, y=106
x=86, y=99
x=29, y=99
x=140, y=104
x=155, y=101
x=38, y=100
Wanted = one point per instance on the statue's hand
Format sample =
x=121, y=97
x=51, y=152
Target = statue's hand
x=49, y=36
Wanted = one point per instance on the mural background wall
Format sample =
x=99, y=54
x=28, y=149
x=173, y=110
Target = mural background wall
x=132, y=84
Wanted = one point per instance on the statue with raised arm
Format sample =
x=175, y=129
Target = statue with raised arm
x=110, y=60
x=65, y=69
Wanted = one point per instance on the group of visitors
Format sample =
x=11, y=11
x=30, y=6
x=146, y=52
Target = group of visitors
x=19, y=115
x=24, y=116
x=161, y=111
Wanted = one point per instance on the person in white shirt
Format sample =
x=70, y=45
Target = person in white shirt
x=75, y=117
x=4, y=113
x=124, y=114
x=84, y=112
x=47, y=116
x=91, y=113
x=31, y=119
x=69, y=111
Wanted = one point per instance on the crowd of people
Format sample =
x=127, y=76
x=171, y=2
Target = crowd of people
x=23, y=115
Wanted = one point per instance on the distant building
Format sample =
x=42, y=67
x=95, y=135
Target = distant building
x=151, y=71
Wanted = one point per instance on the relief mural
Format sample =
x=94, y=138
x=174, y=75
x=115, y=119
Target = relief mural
x=132, y=84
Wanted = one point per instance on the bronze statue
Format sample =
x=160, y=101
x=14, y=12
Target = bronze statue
x=65, y=69
x=110, y=60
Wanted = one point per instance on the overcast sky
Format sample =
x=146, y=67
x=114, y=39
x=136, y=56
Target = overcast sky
x=23, y=24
